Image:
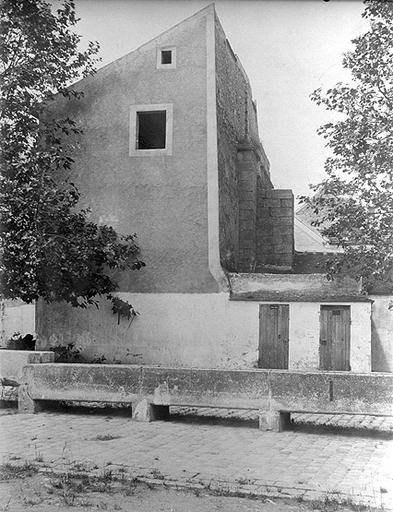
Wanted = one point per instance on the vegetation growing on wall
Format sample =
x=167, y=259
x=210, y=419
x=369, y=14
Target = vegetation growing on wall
x=354, y=203
x=49, y=248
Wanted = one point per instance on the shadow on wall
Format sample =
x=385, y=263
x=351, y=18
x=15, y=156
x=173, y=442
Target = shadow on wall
x=380, y=361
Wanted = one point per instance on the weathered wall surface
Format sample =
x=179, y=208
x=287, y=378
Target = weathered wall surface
x=275, y=228
x=236, y=120
x=248, y=179
x=16, y=316
x=163, y=198
x=382, y=333
x=294, y=287
x=197, y=330
x=205, y=330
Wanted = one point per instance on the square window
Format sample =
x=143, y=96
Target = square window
x=151, y=130
x=166, y=56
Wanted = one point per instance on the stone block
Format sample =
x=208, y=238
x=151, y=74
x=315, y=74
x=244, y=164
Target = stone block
x=271, y=203
x=77, y=382
x=248, y=186
x=281, y=212
x=282, y=193
x=286, y=203
x=26, y=404
x=274, y=421
x=47, y=357
x=283, y=259
x=246, y=172
x=245, y=252
x=285, y=221
x=264, y=240
x=210, y=387
x=283, y=230
x=246, y=231
x=264, y=193
x=263, y=212
x=246, y=215
x=247, y=205
x=145, y=411
x=246, y=195
x=279, y=248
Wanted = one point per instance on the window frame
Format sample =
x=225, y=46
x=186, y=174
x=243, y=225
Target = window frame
x=172, y=65
x=133, y=139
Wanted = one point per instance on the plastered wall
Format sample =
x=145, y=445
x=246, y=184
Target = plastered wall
x=202, y=330
x=304, y=335
x=163, y=198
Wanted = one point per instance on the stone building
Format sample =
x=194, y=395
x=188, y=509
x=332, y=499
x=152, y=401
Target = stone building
x=171, y=151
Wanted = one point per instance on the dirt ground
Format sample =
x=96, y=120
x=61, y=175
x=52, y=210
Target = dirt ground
x=30, y=491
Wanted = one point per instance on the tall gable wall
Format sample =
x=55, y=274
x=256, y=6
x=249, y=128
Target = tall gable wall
x=163, y=198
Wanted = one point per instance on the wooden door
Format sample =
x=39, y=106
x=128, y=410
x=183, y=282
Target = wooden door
x=334, y=341
x=273, y=336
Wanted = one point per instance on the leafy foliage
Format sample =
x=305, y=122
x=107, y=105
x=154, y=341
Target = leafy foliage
x=354, y=204
x=19, y=342
x=123, y=309
x=49, y=249
x=67, y=354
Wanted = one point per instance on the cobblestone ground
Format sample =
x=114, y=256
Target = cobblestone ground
x=347, y=463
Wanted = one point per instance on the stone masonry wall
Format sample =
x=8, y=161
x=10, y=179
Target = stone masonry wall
x=247, y=209
x=236, y=118
x=274, y=228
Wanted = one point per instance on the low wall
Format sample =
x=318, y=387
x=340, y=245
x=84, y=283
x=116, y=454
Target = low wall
x=195, y=330
x=13, y=361
x=276, y=390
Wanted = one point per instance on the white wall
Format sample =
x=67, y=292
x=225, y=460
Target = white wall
x=304, y=335
x=200, y=330
x=174, y=329
x=16, y=316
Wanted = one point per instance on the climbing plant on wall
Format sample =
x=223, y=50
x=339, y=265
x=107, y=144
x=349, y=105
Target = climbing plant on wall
x=353, y=205
x=49, y=248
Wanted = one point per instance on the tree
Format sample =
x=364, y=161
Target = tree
x=49, y=249
x=353, y=205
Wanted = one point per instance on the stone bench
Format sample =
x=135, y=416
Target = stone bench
x=152, y=390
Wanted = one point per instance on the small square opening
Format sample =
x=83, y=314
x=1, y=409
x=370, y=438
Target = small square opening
x=151, y=130
x=166, y=56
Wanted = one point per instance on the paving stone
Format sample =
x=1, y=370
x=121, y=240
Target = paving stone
x=289, y=462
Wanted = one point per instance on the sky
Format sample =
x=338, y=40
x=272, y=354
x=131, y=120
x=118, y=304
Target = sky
x=287, y=47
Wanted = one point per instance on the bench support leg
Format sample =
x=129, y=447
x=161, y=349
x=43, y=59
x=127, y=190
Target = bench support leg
x=274, y=421
x=26, y=404
x=145, y=411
